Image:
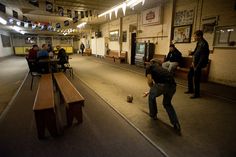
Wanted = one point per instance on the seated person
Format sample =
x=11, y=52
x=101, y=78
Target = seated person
x=63, y=58
x=33, y=53
x=50, y=51
x=43, y=54
x=173, y=59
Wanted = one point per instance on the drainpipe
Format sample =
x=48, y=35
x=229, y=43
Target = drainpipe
x=121, y=34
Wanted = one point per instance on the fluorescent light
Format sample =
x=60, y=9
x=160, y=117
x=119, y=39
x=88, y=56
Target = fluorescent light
x=18, y=29
x=127, y=3
x=81, y=25
x=3, y=21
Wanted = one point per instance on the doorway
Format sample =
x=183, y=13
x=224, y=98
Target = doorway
x=133, y=48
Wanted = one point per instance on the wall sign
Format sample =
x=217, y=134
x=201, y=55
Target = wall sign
x=152, y=16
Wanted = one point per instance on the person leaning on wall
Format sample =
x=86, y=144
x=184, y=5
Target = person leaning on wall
x=200, y=60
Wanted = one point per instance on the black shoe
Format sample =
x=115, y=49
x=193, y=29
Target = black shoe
x=189, y=92
x=154, y=117
x=195, y=96
x=177, y=127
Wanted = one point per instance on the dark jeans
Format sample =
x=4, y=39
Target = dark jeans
x=194, y=76
x=168, y=90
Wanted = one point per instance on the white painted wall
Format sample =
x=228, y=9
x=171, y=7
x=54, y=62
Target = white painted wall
x=98, y=46
x=111, y=26
x=5, y=51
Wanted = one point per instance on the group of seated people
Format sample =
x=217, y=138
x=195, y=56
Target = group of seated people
x=37, y=56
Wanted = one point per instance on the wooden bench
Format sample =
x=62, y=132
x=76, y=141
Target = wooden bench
x=160, y=57
x=111, y=55
x=88, y=52
x=122, y=58
x=72, y=98
x=44, y=107
x=183, y=69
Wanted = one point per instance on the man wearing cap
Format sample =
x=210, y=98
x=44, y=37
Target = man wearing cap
x=161, y=82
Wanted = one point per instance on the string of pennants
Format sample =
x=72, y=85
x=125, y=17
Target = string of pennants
x=60, y=10
x=45, y=25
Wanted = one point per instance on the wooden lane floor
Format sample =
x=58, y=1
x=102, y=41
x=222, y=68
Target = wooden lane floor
x=103, y=133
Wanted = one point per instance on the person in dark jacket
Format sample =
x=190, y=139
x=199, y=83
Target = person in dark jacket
x=161, y=82
x=173, y=59
x=200, y=60
x=33, y=53
x=82, y=47
x=63, y=58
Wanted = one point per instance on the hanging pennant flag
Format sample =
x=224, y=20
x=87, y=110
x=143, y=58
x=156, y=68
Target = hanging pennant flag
x=49, y=6
x=69, y=14
x=75, y=19
x=86, y=13
x=66, y=23
x=76, y=14
x=58, y=25
x=34, y=2
x=15, y=14
x=60, y=11
x=82, y=14
x=2, y=8
x=25, y=19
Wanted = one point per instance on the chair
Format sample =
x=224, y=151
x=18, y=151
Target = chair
x=33, y=71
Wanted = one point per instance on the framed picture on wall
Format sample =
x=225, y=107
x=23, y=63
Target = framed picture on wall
x=6, y=42
x=114, y=35
x=182, y=34
x=184, y=17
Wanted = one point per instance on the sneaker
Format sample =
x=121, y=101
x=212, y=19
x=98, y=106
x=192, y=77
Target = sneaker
x=177, y=127
x=154, y=117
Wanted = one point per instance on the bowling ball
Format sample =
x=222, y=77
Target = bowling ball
x=130, y=98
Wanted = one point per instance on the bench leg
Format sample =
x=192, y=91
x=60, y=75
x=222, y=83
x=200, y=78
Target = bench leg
x=46, y=119
x=74, y=110
x=40, y=123
x=50, y=121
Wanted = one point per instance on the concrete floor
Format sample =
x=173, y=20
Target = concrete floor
x=208, y=123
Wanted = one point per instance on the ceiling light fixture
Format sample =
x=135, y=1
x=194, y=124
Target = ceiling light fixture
x=81, y=25
x=3, y=21
x=127, y=3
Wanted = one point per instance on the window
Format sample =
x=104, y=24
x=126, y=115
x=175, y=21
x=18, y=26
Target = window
x=225, y=36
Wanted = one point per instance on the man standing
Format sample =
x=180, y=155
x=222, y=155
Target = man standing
x=172, y=60
x=200, y=60
x=161, y=82
x=82, y=48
